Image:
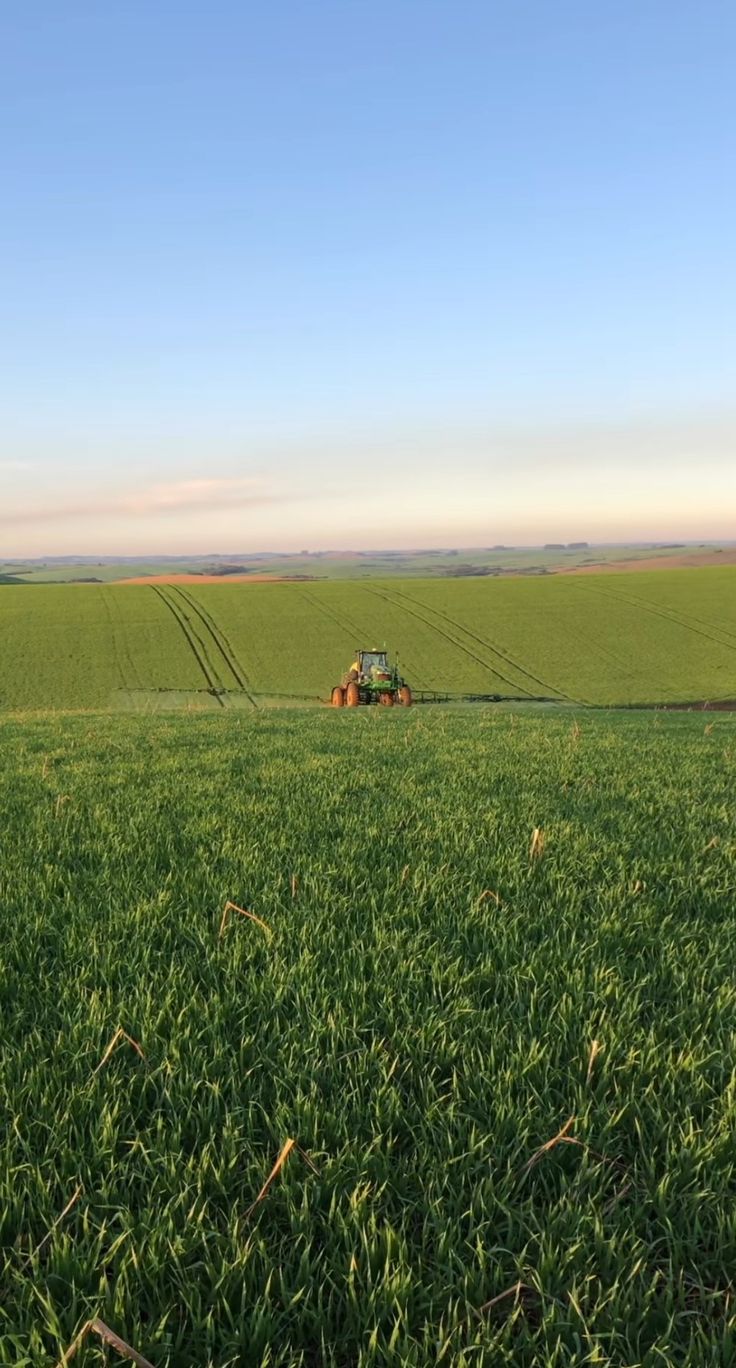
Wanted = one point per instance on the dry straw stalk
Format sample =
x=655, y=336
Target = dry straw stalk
x=243, y=912
x=109, y=1337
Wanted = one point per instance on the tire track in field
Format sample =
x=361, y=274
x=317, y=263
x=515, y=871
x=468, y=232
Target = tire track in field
x=221, y=641
x=125, y=651
x=441, y=633
x=487, y=645
x=494, y=650
x=681, y=618
x=346, y=625
x=343, y=623
x=214, y=685
x=122, y=681
x=643, y=606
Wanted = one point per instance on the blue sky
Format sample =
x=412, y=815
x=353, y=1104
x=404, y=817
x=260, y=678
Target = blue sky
x=349, y=274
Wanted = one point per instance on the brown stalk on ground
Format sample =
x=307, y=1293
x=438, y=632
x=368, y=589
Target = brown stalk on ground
x=72, y=1201
x=108, y=1336
x=562, y=1138
x=119, y=1035
x=550, y=1145
x=520, y=1291
x=286, y=1149
x=243, y=911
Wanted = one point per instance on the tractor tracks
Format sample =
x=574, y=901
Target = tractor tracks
x=195, y=643
x=208, y=644
x=130, y=677
x=440, y=632
x=404, y=600
x=684, y=620
x=345, y=624
x=487, y=645
x=221, y=642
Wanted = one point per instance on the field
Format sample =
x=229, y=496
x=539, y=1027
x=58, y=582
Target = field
x=662, y=636
x=371, y=564
x=431, y=995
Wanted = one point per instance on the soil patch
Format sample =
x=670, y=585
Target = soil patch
x=717, y=705
x=204, y=579
x=680, y=560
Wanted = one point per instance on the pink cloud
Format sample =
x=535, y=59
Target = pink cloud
x=192, y=496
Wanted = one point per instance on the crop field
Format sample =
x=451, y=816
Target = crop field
x=362, y=564
x=661, y=636
x=482, y=1012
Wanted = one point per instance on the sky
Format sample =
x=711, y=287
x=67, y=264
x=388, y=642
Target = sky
x=325, y=273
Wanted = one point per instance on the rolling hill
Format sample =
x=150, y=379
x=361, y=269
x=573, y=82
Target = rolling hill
x=659, y=637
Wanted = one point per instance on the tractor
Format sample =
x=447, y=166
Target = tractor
x=371, y=679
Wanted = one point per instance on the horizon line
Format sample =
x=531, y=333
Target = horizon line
x=577, y=544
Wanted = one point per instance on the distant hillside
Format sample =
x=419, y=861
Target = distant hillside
x=319, y=565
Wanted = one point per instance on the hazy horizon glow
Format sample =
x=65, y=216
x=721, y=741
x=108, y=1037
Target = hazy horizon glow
x=337, y=277
x=625, y=482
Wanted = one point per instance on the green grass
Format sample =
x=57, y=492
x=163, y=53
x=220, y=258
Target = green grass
x=630, y=638
x=75, y=646
x=419, y=1039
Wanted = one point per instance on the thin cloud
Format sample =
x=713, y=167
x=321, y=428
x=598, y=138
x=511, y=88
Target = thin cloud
x=190, y=496
x=195, y=495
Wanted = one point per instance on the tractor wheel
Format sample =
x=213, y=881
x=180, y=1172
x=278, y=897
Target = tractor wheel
x=352, y=695
x=405, y=695
x=338, y=697
x=387, y=699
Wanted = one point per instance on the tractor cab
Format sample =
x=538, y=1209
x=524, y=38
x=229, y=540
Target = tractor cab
x=374, y=665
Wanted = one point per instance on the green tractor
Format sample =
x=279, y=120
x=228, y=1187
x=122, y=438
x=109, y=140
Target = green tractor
x=371, y=679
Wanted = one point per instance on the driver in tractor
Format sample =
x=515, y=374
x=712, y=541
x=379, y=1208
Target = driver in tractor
x=352, y=675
